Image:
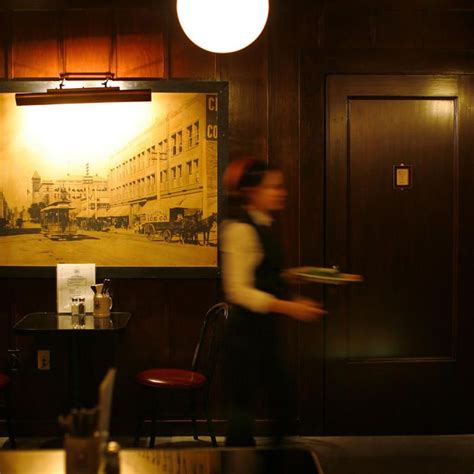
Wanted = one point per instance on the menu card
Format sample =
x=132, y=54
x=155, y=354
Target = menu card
x=74, y=280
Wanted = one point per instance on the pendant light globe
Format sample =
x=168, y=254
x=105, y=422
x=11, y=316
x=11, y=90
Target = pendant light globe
x=222, y=26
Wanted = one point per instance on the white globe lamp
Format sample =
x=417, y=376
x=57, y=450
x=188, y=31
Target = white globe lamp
x=222, y=26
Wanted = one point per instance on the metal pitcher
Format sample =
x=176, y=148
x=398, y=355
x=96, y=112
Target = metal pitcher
x=102, y=305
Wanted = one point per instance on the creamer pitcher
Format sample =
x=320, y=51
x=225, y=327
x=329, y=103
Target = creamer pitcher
x=102, y=305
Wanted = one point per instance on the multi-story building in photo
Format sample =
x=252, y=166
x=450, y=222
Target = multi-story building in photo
x=171, y=164
x=89, y=195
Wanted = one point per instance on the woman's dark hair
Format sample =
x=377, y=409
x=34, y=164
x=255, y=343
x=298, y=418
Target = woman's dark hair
x=242, y=174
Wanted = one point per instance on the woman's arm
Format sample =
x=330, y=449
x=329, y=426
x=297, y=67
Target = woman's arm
x=241, y=254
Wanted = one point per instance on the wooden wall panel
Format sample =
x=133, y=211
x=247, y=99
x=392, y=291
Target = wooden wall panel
x=140, y=43
x=299, y=33
x=248, y=102
x=311, y=243
x=35, y=44
x=19, y=298
x=300, y=224
x=167, y=315
x=186, y=59
x=407, y=5
x=396, y=29
x=448, y=29
x=88, y=40
x=145, y=342
x=347, y=29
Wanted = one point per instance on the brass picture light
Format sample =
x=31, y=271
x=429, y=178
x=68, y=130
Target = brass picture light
x=83, y=95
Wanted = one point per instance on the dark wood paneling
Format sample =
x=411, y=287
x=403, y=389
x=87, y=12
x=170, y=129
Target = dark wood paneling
x=283, y=143
x=389, y=61
x=380, y=27
x=406, y=5
x=347, y=30
x=163, y=331
x=35, y=44
x=311, y=209
x=248, y=101
x=77, y=4
x=298, y=33
x=300, y=227
x=18, y=299
x=397, y=29
x=448, y=29
x=88, y=40
x=140, y=43
x=282, y=139
x=186, y=59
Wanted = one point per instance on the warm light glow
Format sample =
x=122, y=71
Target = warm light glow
x=68, y=136
x=222, y=26
x=68, y=140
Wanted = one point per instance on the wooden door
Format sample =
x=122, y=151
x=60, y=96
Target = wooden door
x=393, y=345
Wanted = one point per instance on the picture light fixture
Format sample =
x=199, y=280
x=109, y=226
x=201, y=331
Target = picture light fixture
x=83, y=95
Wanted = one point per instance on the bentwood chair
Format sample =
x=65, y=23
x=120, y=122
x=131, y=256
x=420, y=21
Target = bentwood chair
x=195, y=382
x=5, y=389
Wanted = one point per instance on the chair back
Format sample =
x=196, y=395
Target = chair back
x=206, y=354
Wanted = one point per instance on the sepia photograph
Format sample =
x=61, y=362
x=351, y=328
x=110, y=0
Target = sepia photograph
x=117, y=184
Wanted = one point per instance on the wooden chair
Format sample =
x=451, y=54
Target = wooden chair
x=5, y=388
x=195, y=381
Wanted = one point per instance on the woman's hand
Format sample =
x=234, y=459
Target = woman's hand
x=302, y=310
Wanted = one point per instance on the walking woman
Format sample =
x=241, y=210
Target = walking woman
x=253, y=285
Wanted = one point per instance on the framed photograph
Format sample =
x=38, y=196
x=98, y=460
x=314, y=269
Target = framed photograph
x=133, y=187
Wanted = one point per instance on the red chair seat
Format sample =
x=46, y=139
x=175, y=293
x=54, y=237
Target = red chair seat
x=4, y=381
x=171, y=378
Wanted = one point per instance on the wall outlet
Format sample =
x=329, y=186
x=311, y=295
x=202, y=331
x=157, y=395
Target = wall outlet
x=44, y=360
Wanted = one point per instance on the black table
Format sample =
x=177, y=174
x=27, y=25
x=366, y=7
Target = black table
x=176, y=461
x=37, y=323
x=61, y=324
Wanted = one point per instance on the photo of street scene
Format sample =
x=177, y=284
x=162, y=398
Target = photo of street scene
x=118, y=185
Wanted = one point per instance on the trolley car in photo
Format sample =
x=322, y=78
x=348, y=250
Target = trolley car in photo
x=58, y=222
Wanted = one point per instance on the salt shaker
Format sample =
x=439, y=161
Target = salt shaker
x=82, y=311
x=112, y=458
x=74, y=307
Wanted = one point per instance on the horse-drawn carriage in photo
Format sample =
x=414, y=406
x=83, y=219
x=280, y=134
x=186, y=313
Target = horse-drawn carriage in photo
x=179, y=224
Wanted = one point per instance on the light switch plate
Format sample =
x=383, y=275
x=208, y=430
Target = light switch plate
x=44, y=360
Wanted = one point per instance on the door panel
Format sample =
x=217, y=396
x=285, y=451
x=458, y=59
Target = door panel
x=391, y=342
x=408, y=233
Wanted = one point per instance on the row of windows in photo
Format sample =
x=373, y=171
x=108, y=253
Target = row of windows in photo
x=191, y=168
x=172, y=178
x=147, y=157
x=76, y=197
x=192, y=140
x=70, y=189
x=58, y=194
